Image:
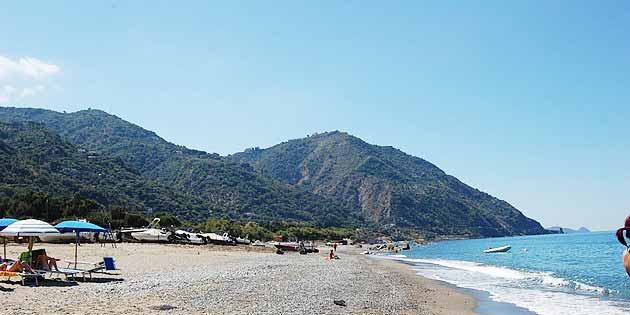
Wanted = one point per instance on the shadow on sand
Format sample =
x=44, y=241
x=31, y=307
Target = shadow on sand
x=43, y=283
x=102, y=280
x=58, y=282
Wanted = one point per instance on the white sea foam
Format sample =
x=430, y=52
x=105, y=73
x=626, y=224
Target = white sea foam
x=398, y=256
x=542, y=293
x=493, y=271
x=549, y=280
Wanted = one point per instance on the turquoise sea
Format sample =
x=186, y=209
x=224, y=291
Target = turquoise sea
x=545, y=274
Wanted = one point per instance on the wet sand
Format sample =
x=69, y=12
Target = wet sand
x=187, y=279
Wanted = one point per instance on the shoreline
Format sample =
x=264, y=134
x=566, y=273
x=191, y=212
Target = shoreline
x=447, y=298
x=187, y=279
x=481, y=301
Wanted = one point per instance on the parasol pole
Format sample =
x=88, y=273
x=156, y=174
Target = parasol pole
x=30, y=250
x=4, y=241
x=76, y=247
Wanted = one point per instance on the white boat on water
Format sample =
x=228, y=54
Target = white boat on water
x=501, y=249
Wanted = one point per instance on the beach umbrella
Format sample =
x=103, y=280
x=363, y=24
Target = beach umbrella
x=29, y=228
x=78, y=227
x=4, y=222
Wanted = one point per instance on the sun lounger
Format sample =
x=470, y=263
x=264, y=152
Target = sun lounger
x=23, y=276
x=108, y=264
x=26, y=275
x=67, y=272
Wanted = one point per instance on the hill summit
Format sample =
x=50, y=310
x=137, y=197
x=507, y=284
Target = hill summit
x=387, y=186
x=331, y=179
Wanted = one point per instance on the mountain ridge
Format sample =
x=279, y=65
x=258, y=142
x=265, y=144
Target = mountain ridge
x=227, y=189
x=327, y=179
x=387, y=185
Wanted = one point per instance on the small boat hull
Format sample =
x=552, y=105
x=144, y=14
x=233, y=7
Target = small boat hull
x=501, y=249
x=151, y=236
x=86, y=237
x=287, y=247
x=217, y=239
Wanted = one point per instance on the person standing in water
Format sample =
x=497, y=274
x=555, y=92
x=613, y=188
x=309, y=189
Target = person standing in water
x=625, y=257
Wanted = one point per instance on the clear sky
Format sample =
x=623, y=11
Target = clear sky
x=526, y=100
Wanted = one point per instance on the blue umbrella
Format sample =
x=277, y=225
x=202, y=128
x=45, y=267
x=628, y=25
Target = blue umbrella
x=78, y=227
x=4, y=222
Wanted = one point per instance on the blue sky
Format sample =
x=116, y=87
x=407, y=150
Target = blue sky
x=528, y=101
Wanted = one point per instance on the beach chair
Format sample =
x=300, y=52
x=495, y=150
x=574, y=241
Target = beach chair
x=65, y=272
x=108, y=264
x=35, y=276
x=23, y=276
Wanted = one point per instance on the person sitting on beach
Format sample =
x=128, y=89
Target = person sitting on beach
x=331, y=255
x=16, y=266
x=45, y=262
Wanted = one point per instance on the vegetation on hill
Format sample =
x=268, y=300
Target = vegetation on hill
x=23, y=204
x=388, y=186
x=32, y=159
x=325, y=180
x=268, y=229
x=216, y=187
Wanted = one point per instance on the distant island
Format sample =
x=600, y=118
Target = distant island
x=565, y=230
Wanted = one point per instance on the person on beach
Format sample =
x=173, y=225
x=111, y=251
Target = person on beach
x=16, y=267
x=625, y=257
x=335, y=246
x=331, y=255
x=46, y=262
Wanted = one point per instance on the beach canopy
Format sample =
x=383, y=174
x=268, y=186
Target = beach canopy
x=4, y=222
x=30, y=227
x=77, y=227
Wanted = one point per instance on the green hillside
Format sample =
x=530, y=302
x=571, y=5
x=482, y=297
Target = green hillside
x=388, y=186
x=225, y=188
x=330, y=179
x=34, y=159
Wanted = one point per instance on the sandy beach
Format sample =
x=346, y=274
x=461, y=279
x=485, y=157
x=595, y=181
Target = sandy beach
x=183, y=279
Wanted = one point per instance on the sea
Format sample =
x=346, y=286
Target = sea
x=544, y=274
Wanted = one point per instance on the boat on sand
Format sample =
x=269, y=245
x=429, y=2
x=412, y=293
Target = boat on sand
x=287, y=246
x=150, y=233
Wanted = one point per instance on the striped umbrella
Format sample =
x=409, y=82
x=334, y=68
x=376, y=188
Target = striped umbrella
x=29, y=228
x=4, y=222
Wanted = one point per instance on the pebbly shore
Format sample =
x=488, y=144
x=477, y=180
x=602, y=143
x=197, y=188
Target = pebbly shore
x=178, y=279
